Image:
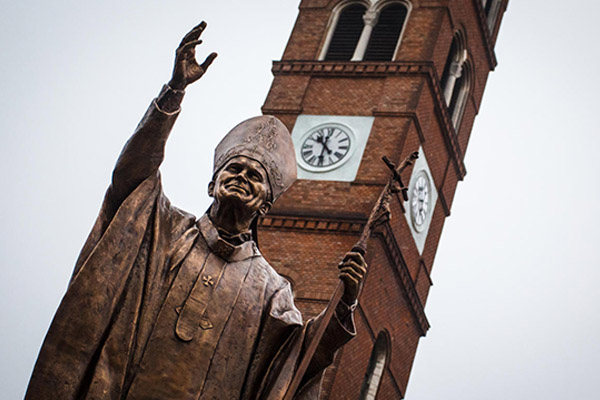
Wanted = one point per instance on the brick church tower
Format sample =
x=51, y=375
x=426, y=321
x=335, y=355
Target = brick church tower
x=360, y=79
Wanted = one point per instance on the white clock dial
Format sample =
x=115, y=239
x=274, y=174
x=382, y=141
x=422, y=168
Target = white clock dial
x=420, y=200
x=326, y=147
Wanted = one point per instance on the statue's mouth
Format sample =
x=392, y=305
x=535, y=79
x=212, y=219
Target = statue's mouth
x=234, y=187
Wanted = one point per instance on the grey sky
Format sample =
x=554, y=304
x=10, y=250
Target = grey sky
x=514, y=304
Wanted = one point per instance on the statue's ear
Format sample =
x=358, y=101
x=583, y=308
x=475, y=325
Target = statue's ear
x=265, y=208
x=211, y=188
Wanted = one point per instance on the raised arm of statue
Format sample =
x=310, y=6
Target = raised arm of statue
x=144, y=151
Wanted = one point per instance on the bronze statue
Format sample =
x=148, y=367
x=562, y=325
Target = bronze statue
x=162, y=305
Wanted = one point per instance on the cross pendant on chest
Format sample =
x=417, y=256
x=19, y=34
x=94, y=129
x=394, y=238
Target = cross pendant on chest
x=208, y=280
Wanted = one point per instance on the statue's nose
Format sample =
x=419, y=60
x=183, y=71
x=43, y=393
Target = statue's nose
x=241, y=176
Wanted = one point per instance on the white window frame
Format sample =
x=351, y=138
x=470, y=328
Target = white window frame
x=373, y=9
x=379, y=5
x=493, y=15
x=460, y=61
x=333, y=21
x=463, y=95
x=372, y=381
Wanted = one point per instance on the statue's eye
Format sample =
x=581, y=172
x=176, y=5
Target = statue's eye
x=255, y=176
x=235, y=168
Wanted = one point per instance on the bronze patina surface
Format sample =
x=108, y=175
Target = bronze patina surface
x=162, y=305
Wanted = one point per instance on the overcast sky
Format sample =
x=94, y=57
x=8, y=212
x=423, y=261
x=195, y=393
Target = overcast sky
x=514, y=306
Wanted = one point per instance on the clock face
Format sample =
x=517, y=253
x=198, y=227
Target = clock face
x=420, y=201
x=326, y=146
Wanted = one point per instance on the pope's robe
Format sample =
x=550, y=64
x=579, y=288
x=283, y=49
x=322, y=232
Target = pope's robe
x=160, y=306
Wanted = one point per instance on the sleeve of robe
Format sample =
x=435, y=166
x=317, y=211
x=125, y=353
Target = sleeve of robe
x=283, y=340
x=139, y=160
x=133, y=216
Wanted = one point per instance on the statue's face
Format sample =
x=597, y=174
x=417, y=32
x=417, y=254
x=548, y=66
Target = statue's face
x=242, y=181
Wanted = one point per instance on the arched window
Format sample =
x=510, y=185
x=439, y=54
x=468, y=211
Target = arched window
x=458, y=102
x=384, y=38
x=452, y=54
x=360, y=34
x=347, y=32
x=491, y=9
x=375, y=368
x=456, y=79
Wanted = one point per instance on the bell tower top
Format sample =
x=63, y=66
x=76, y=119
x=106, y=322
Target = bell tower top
x=372, y=30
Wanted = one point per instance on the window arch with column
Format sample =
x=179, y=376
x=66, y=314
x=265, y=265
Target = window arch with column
x=365, y=32
x=347, y=28
x=385, y=37
x=456, y=79
x=376, y=367
x=460, y=95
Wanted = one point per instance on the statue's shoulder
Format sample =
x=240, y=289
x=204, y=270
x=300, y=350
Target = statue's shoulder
x=274, y=279
x=279, y=296
x=180, y=220
x=182, y=215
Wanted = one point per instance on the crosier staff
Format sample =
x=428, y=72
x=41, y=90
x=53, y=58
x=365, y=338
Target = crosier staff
x=379, y=214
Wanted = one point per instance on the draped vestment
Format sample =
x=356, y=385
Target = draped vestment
x=160, y=306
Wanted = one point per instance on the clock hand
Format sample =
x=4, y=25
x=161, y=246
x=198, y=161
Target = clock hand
x=323, y=149
x=320, y=156
x=323, y=141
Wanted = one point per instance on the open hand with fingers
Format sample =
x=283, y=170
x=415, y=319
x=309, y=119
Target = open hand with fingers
x=187, y=70
x=352, y=271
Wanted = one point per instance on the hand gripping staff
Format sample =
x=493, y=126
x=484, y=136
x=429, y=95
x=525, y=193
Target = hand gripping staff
x=379, y=214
